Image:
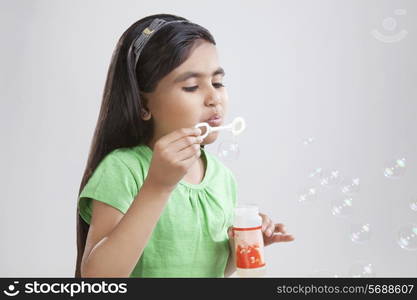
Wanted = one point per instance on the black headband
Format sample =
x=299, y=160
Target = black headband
x=147, y=33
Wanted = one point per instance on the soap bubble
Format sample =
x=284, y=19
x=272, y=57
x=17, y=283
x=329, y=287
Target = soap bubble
x=413, y=204
x=331, y=179
x=309, y=141
x=395, y=169
x=389, y=24
x=400, y=12
x=407, y=237
x=228, y=150
x=362, y=270
x=360, y=233
x=351, y=188
x=317, y=173
x=307, y=195
x=342, y=207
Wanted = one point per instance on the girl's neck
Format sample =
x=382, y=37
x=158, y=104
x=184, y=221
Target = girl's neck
x=197, y=171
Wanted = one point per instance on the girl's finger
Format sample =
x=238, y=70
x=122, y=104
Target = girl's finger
x=184, y=143
x=178, y=134
x=270, y=229
x=280, y=228
x=191, y=159
x=230, y=232
x=282, y=238
x=265, y=221
x=189, y=152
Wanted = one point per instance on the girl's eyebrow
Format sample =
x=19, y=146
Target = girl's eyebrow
x=189, y=74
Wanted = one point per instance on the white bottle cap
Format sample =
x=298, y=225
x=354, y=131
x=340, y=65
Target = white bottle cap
x=247, y=216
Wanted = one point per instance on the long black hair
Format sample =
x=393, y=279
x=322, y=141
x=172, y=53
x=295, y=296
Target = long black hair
x=119, y=122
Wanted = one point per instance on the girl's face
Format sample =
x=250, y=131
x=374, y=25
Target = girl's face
x=190, y=94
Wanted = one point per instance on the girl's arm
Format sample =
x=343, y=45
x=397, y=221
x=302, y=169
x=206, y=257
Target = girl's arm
x=231, y=265
x=116, y=240
x=117, y=253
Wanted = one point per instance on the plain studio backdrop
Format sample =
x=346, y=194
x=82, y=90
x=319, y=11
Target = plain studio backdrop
x=321, y=84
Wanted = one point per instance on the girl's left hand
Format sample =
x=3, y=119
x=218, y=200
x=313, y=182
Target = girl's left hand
x=274, y=233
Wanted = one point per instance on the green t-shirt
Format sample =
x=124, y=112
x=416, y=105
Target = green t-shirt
x=190, y=238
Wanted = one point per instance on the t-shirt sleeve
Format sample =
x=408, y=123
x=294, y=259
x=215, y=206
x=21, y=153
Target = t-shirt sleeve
x=112, y=183
x=233, y=192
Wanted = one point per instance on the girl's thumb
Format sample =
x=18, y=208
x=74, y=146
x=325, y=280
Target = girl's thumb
x=230, y=232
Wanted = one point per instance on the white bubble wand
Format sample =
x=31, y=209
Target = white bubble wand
x=236, y=127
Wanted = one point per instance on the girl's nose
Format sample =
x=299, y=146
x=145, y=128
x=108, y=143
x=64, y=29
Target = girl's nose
x=213, y=98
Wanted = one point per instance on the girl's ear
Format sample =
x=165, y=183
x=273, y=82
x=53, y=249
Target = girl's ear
x=145, y=113
x=146, y=116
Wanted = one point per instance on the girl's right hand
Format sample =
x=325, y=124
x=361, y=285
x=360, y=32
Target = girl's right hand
x=173, y=155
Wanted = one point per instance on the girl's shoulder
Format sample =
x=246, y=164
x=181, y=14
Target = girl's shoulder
x=128, y=162
x=115, y=181
x=132, y=155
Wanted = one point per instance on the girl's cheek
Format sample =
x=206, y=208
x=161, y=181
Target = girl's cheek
x=225, y=96
x=225, y=102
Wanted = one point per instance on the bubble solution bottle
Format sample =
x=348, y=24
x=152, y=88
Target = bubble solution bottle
x=249, y=245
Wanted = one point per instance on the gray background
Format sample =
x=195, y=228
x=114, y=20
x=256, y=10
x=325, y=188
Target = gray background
x=295, y=70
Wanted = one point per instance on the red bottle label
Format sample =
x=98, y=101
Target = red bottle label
x=249, y=247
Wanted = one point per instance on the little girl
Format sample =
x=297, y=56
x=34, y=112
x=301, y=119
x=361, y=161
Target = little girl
x=152, y=201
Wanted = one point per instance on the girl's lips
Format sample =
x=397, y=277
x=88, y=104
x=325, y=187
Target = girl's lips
x=215, y=122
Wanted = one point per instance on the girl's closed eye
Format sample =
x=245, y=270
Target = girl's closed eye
x=193, y=88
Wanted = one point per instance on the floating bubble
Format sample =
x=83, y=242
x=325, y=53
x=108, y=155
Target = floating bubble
x=331, y=179
x=228, y=150
x=360, y=233
x=351, y=188
x=395, y=169
x=362, y=270
x=309, y=141
x=342, y=207
x=400, y=12
x=389, y=24
x=316, y=173
x=407, y=237
x=413, y=204
x=307, y=195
